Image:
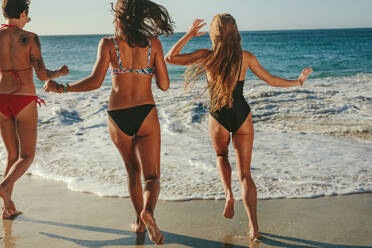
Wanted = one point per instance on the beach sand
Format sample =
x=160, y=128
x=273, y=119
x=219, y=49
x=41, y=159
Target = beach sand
x=55, y=216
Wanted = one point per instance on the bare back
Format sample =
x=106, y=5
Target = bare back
x=15, y=54
x=130, y=88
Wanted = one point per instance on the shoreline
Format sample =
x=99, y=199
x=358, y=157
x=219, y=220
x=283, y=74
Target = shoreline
x=53, y=214
x=237, y=197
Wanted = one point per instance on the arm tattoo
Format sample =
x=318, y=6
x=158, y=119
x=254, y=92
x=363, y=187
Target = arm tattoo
x=32, y=59
x=51, y=74
x=37, y=40
x=37, y=63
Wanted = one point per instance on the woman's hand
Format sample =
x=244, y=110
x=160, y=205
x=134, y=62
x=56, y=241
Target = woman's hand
x=52, y=86
x=195, y=27
x=174, y=55
x=63, y=71
x=304, y=75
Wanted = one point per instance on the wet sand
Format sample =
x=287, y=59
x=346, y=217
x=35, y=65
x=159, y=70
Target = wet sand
x=54, y=216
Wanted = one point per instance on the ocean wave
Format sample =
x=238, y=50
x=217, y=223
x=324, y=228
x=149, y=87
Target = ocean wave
x=323, y=106
x=309, y=141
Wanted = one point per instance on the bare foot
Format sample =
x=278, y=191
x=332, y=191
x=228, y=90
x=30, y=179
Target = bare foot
x=255, y=236
x=153, y=230
x=138, y=227
x=9, y=206
x=228, y=212
x=10, y=214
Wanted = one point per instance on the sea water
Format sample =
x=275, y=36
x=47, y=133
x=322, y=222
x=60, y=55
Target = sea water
x=309, y=141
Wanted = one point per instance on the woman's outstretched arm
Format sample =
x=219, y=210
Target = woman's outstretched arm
x=94, y=81
x=37, y=62
x=174, y=56
x=274, y=81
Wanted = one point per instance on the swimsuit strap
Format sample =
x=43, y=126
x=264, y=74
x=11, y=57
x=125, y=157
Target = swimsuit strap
x=240, y=68
x=7, y=25
x=11, y=70
x=120, y=70
x=119, y=57
x=118, y=53
x=149, y=55
x=17, y=77
x=39, y=101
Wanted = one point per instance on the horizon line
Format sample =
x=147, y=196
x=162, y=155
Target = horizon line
x=251, y=30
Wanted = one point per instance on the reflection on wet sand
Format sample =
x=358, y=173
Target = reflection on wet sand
x=229, y=240
x=7, y=239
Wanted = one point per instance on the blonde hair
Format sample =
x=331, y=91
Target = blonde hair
x=222, y=64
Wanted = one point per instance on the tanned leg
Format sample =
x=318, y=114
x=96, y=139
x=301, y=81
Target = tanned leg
x=26, y=126
x=8, y=207
x=125, y=146
x=243, y=145
x=220, y=138
x=147, y=143
x=11, y=143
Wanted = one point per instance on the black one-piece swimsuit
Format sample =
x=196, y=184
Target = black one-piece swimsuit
x=232, y=118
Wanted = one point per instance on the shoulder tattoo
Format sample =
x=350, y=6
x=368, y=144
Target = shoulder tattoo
x=37, y=41
x=24, y=39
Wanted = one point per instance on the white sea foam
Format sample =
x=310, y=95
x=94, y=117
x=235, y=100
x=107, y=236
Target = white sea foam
x=309, y=142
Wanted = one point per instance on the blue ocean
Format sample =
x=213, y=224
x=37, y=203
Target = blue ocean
x=331, y=53
x=310, y=141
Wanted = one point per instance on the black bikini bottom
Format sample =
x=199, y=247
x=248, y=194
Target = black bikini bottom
x=129, y=120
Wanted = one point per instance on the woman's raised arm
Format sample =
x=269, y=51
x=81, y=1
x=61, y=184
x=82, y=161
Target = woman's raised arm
x=174, y=56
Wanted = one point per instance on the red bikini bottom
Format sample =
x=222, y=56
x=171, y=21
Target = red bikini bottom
x=11, y=105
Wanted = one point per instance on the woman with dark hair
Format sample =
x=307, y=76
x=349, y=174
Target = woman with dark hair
x=225, y=66
x=20, y=52
x=135, y=55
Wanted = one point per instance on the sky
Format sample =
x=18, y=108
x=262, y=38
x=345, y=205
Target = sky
x=56, y=17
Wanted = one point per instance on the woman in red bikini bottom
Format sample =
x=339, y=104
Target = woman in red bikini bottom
x=20, y=52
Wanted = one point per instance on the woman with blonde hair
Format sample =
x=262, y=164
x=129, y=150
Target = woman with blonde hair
x=225, y=66
x=135, y=55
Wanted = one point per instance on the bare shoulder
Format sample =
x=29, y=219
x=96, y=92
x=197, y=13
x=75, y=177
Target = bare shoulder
x=106, y=44
x=26, y=38
x=156, y=44
x=249, y=57
x=31, y=34
x=106, y=41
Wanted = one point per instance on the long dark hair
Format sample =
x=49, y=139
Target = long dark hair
x=138, y=21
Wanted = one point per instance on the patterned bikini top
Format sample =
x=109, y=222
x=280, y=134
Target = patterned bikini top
x=121, y=70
